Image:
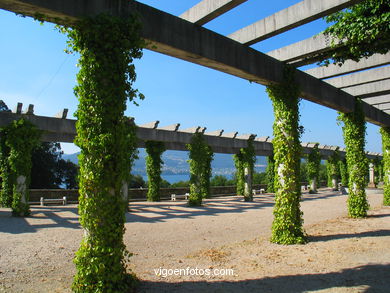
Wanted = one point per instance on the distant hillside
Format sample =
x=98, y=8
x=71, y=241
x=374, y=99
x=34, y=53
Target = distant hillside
x=175, y=162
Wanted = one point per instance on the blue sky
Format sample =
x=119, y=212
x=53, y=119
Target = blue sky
x=35, y=70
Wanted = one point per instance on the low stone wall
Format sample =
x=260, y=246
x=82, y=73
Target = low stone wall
x=137, y=193
x=134, y=193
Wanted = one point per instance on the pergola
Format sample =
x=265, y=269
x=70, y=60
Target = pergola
x=184, y=37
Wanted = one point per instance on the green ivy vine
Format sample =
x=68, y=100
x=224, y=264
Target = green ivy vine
x=154, y=163
x=333, y=169
x=245, y=162
x=354, y=131
x=7, y=181
x=378, y=169
x=343, y=169
x=18, y=142
x=200, y=159
x=288, y=221
x=270, y=174
x=107, y=46
x=313, y=168
x=385, y=132
x=240, y=175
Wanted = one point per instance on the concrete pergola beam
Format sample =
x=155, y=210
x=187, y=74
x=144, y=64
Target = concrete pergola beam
x=207, y=10
x=377, y=88
x=64, y=130
x=286, y=19
x=176, y=37
x=62, y=114
x=384, y=106
x=349, y=66
x=360, y=78
x=18, y=108
x=29, y=110
x=300, y=53
x=377, y=100
x=173, y=127
x=262, y=138
x=215, y=133
x=153, y=124
x=230, y=134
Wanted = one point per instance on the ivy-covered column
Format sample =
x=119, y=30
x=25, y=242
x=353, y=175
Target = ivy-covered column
x=240, y=174
x=206, y=175
x=287, y=223
x=19, y=140
x=378, y=170
x=154, y=149
x=343, y=169
x=270, y=174
x=5, y=172
x=333, y=169
x=201, y=156
x=385, y=132
x=107, y=47
x=313, y=168
x=245, y=162
x=354, y=132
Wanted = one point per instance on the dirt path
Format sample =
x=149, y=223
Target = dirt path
x=226, y=234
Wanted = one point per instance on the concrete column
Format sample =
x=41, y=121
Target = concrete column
x=334, y=183
x=313, y=185
x=371, y=176
x=21, y=189
x=125, y=194
x=248, y=196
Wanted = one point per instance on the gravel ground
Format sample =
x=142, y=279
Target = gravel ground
x=220, y=247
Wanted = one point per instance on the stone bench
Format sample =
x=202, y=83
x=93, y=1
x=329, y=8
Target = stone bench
x=177, y=196
x=53, y=200
x=305, y=187
x=259, y=191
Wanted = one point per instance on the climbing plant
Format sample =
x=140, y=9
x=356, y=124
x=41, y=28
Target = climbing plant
x=270, y=171
x=107, y=46
x=378, y=169
x=343, y=172
x=240, y=175
x=333, y=169
x=19, y=139
x=200, y=158
x=206, y=175
x=385, y=132
x=7, y=178
x=245, y=163
x=313, y=168
x=354, y=131
x=154, y=163
x=288, y=221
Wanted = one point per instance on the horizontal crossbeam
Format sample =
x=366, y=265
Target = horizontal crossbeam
x=176, y=37
x=64, y=130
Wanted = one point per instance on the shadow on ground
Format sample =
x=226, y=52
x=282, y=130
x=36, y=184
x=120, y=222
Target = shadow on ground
x=369, y=279
x=47, y=214
x=150, y=212
x=376, y=233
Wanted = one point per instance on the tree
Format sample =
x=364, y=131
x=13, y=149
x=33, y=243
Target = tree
x=45, y=171
x=69, y=174
x=136, y=181
x=4, y=107
x=359, y=31
x=219, y=180
x=49, y=170
x=259, y=178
